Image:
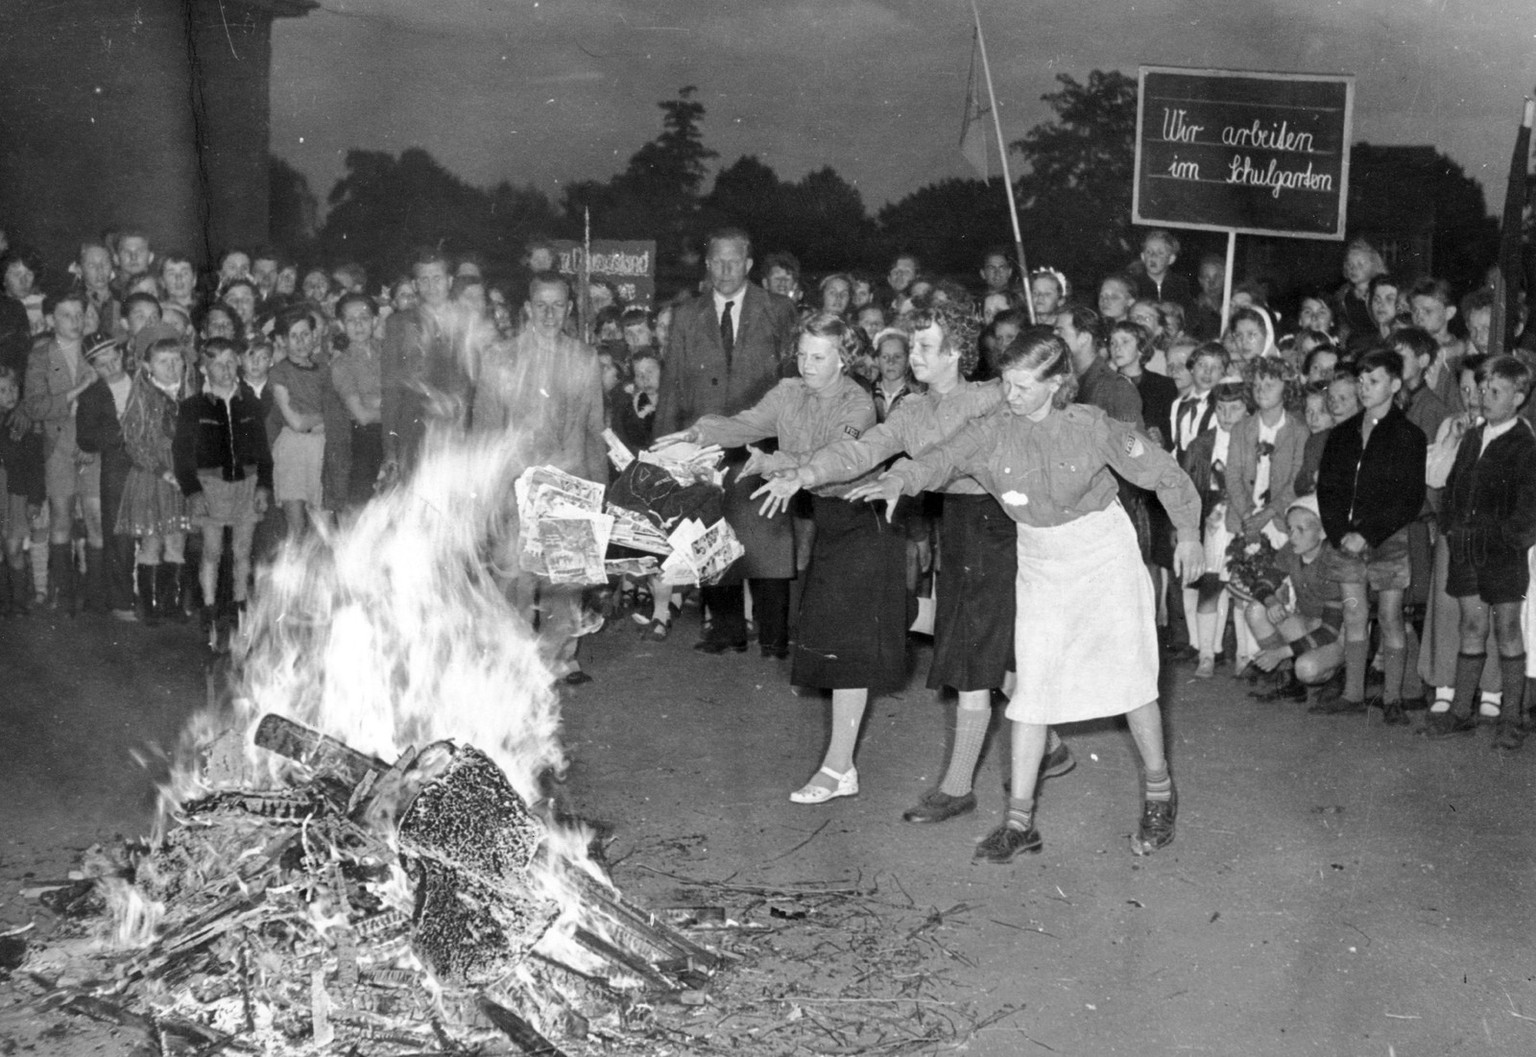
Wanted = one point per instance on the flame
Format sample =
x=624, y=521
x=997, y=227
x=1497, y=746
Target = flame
x=394, y=631
x=133, y=915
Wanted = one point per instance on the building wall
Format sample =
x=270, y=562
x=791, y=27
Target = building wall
x=136, y=113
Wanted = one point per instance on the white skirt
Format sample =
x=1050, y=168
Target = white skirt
x=1085, y=631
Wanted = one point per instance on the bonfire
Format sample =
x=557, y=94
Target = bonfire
x=355, y=851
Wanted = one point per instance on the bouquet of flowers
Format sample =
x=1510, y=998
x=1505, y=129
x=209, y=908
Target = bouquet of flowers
x=1251, y=566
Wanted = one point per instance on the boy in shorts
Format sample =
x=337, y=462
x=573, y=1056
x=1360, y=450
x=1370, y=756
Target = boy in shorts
x=1488, y=514
x=1370, y=488
x=224, y=468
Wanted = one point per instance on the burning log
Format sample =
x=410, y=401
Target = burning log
x=319, y=751
x=295, y=916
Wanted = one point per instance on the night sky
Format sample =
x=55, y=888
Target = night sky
x=549, y=91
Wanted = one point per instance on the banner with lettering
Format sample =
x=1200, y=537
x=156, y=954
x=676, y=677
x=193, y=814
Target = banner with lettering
x=630, y=266
x=1230, y=150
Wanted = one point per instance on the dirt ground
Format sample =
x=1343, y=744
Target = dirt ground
x=1337, y=887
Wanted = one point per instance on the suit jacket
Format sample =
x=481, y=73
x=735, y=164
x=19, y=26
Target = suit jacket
x=1243, y=468
x=1494, y=491
x=1205, y=421
x=698, y=380
x=1374, y=488
x=49, y=380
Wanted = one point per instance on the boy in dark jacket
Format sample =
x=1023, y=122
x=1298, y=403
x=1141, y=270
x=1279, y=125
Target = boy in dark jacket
x=1370, y=488
x=224, y=468
x=1488, y=514
x=99, y=435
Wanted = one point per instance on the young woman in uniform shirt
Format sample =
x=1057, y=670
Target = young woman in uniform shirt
x=1082, y=594
x=853, y=612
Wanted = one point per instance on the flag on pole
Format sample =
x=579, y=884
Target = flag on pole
x=1507, y=286
x=973, y=132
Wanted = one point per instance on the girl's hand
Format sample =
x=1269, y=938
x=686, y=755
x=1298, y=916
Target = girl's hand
x=1188, y=562
x=778, y=489
x=885, y=487
x=1276, y=613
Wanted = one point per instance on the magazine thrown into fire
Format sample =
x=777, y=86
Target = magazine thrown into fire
x=667, y=504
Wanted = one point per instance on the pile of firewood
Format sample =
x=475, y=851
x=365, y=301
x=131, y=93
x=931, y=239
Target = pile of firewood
x=366, y=908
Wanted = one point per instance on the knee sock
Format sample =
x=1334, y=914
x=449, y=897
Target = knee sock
x=1354, y=669
x=1393, y=659
x=39, y=568
x=1021, y=812
x=847, y=711
x=1247, y=643
x=1191, y=597
x=1469, y=672
x=1159, y=784
x=1206, y=638
x=1512, y=673
x=970, y=732
x=1273, y=641
x=1223, y=607
x=1413, y=683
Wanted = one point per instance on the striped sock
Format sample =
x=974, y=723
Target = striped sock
x=970, y=732
x=1021, y=812
x=1159, y=784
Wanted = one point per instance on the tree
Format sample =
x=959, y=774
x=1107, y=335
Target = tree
x=948, y=224
x=1076, y=190
x=658, y=195
x=292, y=208
x=386, y=207
x=831, y=230
x=748, y=194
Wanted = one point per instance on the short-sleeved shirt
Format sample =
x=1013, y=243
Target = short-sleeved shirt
x=1317, y=597
x=305, y=385
x=355, y=373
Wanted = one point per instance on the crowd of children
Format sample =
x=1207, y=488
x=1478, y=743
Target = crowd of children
x=155, y=428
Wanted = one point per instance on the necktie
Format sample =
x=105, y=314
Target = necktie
x=1186, y=418
x=727, y=331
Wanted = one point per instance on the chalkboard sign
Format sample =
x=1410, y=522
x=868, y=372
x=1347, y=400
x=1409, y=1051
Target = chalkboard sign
x=1228, y=150
x=630, y=266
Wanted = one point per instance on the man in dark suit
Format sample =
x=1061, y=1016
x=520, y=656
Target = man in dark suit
x=724, y=352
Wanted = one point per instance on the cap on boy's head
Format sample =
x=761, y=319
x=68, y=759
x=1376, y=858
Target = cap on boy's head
x=1307, y=503
x=148, y=336
x=97, y=344
x=1230, y=391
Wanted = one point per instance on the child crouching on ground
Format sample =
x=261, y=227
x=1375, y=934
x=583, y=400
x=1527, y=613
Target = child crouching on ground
x=1300, y=632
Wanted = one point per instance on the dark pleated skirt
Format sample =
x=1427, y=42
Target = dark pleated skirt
x=973, y=607
x=853, y=612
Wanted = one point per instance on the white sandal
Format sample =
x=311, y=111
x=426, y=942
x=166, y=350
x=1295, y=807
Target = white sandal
x=814, y=793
